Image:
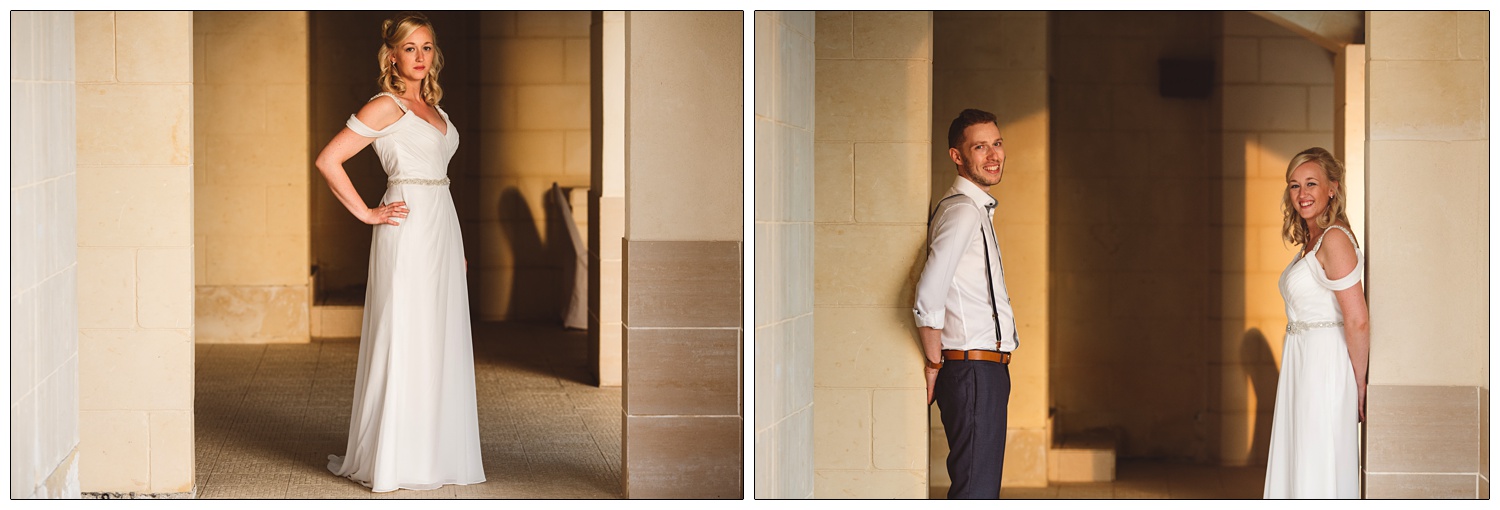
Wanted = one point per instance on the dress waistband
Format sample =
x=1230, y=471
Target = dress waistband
x=417, y=181
x=1299, y=326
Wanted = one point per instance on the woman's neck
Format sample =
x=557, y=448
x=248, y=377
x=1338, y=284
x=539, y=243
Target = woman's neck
x=1313, y=233
x=413, y=91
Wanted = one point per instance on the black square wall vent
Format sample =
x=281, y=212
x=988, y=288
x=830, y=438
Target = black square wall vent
x=1186, y=78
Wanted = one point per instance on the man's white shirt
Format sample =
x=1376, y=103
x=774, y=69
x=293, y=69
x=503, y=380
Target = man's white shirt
x=952, y=294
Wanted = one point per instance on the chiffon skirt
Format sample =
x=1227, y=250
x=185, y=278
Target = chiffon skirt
x=1315, y=432
x=415, y=422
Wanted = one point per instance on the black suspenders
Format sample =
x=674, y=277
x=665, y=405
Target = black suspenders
x=988, y=278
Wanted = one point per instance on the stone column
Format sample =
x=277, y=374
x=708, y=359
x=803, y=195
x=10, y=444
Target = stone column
x=1349, y=128
x=784, y=63
x=135, y=252
x=682, y=255
x=1427, y=114
x=873, y=102
x=606, y=193
x=44, y=257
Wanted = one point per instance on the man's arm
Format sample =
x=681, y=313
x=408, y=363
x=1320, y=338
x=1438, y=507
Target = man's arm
x=932, y=349
x=952, y=231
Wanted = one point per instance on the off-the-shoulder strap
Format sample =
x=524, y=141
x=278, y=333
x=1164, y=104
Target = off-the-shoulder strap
x=393, y=97
x=359, y=128
x=1325, y=235
x=1355, y=275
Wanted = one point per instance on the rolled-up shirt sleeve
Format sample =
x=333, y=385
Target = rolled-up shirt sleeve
x=951, y=233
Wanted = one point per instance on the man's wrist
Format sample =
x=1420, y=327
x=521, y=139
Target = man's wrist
x=933, y=364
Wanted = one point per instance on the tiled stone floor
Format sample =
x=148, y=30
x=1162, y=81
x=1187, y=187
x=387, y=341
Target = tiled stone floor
x=1144, y=479
x=268, y=416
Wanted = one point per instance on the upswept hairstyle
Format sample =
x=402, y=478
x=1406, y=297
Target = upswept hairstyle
x=1293, y=228
x=393, y=32
x=965, y=119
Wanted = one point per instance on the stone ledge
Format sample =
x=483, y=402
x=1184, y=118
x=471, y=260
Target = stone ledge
x=1088, y=457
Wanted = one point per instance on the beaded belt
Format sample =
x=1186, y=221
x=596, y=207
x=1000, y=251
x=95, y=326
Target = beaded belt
x=421, y=182
x=1299, y=326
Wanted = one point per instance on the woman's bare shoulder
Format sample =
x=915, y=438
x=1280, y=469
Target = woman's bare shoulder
x=379, y=113
x=1337, y=252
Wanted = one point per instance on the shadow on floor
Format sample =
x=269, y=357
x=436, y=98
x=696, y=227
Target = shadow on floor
x=1151, y=479
x=268, y=416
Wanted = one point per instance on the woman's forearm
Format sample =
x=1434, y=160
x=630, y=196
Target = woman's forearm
x=1357, y=339
x=343, y=188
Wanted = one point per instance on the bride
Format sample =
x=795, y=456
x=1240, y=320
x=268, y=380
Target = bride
x=1320, y=398
x=415, y=421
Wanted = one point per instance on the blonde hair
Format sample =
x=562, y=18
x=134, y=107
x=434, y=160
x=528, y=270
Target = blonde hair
x=393, y=32
x=1294, y=228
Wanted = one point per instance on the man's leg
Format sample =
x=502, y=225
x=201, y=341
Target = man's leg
x=995, y=392
x=971, y=398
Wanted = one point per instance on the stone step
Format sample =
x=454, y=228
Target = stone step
x=336, y=321
x=1084, y=458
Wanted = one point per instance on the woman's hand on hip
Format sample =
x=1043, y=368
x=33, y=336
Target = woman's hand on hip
x=386, y=214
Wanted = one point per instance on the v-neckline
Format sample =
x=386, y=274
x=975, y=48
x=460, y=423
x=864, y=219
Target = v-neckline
x=413, y=113
x=408, y=111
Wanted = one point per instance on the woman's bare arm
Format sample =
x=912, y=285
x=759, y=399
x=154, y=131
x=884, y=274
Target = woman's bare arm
x=377, y=114
x=1339, y=259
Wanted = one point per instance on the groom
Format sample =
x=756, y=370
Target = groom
x=963, y=311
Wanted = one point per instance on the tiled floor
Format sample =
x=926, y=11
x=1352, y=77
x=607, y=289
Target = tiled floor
x=1138, y=479
x=268, y=416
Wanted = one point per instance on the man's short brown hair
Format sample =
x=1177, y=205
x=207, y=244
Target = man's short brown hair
x=965, y=119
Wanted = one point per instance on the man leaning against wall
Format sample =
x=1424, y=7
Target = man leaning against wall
x=963, y=312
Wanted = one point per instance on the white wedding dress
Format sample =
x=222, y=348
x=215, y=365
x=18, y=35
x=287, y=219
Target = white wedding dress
x=415, y=423
x=1314, y=434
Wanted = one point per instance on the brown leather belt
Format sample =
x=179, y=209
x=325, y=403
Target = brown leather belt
x=1002, y=358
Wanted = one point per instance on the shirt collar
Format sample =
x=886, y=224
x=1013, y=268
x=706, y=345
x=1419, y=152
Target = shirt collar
x=972, y=190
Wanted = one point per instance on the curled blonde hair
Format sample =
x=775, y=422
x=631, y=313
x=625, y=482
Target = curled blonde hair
x=1293, y=228
x=393, y=32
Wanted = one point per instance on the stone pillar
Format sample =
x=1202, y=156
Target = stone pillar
x=44, y=257
x=1278, y=99
x=873, y=102
x=784, y=63
x=1427, y=114
x=135, y=252
x=251, y=229
x=682, y=255
x=606, y=193
x=997, y=62
x=1349, y=128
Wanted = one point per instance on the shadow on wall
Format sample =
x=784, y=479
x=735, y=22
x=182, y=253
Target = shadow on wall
x=1254, y=345
x=542, y=282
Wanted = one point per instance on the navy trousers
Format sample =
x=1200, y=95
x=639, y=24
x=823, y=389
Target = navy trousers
x=972, y=397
